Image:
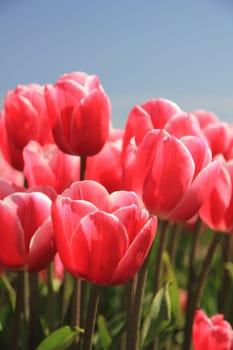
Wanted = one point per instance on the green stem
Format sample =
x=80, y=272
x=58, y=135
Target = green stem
x=133, y=338
x=225, y=284
x=161, y=245
x=83, y=161
x=190, y=286
x=171, y=249
x=194, y=295
x=91, y=317
x=205, y=267
x=18, y=321
x=64, y=296
x=75, y=321
x=33, y=309
x=51, y=299
x=131, y=290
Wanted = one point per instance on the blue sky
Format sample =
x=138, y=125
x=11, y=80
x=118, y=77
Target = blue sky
x=177, y=49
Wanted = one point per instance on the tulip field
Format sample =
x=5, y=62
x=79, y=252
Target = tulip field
x=113, y=239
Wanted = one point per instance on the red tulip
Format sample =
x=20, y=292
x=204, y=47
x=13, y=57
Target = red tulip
x=106, y=167
x=211, y=333
x=216, y=211
x=24, y=118
x=173, y=176
x=79, y=111
x=48, y=165
x=215, y=130
x=153, y=114
x=26, y=231
x=101, y=238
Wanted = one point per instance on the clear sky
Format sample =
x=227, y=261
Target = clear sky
x=177, y=49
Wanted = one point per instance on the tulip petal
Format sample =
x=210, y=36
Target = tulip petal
x=164, y=170
x=213, y=209
x=199, y=150
x=91, y=123
x=42, y=247
x=98, y=245
x=136, y=253
x=132, y=218
x=183, y=124
x=197, y=193
x=12, y=248
x=66, y=215
x=123, y=198
x=32, y=209
x=90, y=191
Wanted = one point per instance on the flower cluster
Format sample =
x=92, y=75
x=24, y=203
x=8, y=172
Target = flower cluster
x=87, y=198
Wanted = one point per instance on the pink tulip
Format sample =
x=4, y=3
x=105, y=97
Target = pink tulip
x=211, y=333
x=205, y=117
x=216, y=211
x=24, y=118
x=101, y=238
x=79, y=111
x=48, y=165
x=173, y=176
x=106, y=167
x=215, y=130
x=153, y=114
x=26, y=231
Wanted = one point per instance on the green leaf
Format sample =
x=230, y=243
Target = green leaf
x=173, y=290
x=229, y=268
x=103, y=333
x=60, y=339
x=10, y=290
x=159, y=317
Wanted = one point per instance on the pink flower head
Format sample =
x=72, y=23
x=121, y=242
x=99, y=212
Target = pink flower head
x=48, y=165
x=24, y=118
x=101, y=238
x=173, y=176
x=26, y=231
x=79, y=111
x=211, y=333
x=216, y=211
x=106, y=167
x=152, y=114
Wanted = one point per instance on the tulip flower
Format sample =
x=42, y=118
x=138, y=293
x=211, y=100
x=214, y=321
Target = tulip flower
x=24, y=118
x=26, y=231
x=173, y=176
x=101, y=238
x=48, y=165
x=216, y=211
x=9, y=174
x=211, y=333
x=106, y=167
x=153, y=114
x=79, y=111
x=214, y=130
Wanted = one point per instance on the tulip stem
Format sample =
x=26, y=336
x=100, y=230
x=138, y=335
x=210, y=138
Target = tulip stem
x=91, y=317
x=191, y=286
x=133, y=338
x=161, y=245
x=205, y=267
x=225, y=284
x=51, y=298
x=195, y=296
x=19, y=318
x=175, y=228
x=76, y=303
x=131, y=290
x=83, y=161
x=33, y=310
